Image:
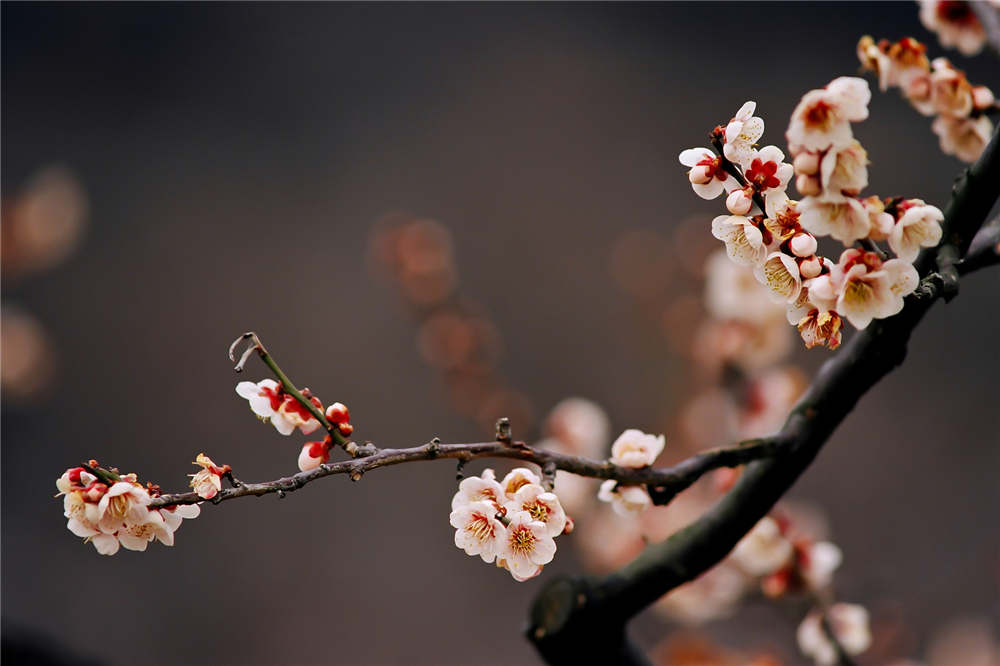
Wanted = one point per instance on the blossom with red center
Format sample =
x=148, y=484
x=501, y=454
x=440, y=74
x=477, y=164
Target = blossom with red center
x=955, y=23
x=542, y=506
x=707, y=177
x=822, y=118
x=526, y=546
x=479, y=489
x=270, y=402
x=820, y=328
x=761, y=174
x=477, y=529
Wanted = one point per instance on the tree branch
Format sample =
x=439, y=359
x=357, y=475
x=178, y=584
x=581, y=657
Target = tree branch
x=577, y=618
x=663, y=482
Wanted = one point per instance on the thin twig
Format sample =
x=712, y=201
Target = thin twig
x=661, y=480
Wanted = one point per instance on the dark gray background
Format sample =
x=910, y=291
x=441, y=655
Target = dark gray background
x=236, y=157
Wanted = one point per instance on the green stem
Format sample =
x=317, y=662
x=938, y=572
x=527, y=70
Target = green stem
x=289, y=387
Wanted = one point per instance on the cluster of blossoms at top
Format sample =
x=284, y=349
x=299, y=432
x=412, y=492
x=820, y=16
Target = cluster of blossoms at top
x=513, y=522
x=271, y=403
x=955, y=24
x=934, y=88
x=777, y=236
x=112, y=510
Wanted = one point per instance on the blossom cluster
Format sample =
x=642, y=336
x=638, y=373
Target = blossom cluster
x=934, y=88
x=513, y=521
x=955, y=24
x=271, y=403
x=777, y=236
x=113, y=510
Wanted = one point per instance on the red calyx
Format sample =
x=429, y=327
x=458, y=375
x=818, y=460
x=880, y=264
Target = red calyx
x=345, y=429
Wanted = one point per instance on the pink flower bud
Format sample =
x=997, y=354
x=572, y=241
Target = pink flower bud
x=806, y=163
x=808, y=186
x=803, y=245
x=982, y=97
x=811, y=267
x=313, y=455
x=739, y=203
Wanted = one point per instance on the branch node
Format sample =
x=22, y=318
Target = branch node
x=281, y=494
x=356, y=475
x=460, y=469
x=549, y=475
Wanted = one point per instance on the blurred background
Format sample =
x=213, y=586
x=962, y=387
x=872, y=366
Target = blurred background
x=203, y=170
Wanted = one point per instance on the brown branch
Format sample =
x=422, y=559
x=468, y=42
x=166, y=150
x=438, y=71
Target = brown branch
x=663, y=482
x=576, y=618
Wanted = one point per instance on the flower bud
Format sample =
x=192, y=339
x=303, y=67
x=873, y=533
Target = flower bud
x=700, y=175
x=739, y=203
x=803, y=245
x=808, y=186
x=811, y=267
x=806, y=164
x=337, y=413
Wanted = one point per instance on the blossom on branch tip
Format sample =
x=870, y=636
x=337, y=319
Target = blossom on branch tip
x=625, y=500
x=849, y=624
x=208, y=481
x=706, y=175
x=477, y=529
x=269, y=401
x=634, y=448
x=526, y=546
x=741, y=133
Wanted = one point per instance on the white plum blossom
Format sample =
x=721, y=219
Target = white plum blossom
x=124, y=502
x=479, y=489
x=136, y=535
x=477, y=529
x=634, y=448
x=955, y=24
x=822, y=118
x=742, y=132
x=763, y=550
x=845, y=171
x=208, y=481
x=863, y=287
x=269, y=401
x=625, y=500
x=965, y=138
x=820, y=328
x=849, y=623
x=732, y=292
x=175, y=514
x=516, y=478
x=919, y=225
x=707, y=176
x=768, y=172
x=820, y=560
x=843, y=218
x=525, y=546
x=780, y=274
x=541, y=506
x=744, y=241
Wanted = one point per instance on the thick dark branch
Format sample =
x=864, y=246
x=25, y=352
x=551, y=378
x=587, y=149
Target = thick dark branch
x=661, y=480
x=984, y=250
x=573, y=615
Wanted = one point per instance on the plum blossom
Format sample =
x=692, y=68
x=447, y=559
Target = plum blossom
x=817, y=562
x=270, y=402
x=820, y=328
x=843, y=218
x=950, y=91
x=516, y=478
x=541, y=506
x=706, y=175
x=767, y=171
x=477, y=529
x=177, y=513
x=763, y=550
x=208, y=481
x=525, y=546
x=479, y=489
x=822, y=118
x=625, y=500
x=136, y=535
x=742, y=132
x=965, y=138
x=780, y=274
x=124, y=502
x=634, y=448
x=849, y=623
x=955, y=24
x=881, y=221
x=863, y=287
x=845, y=171
x=744, y=240
x=919, y=225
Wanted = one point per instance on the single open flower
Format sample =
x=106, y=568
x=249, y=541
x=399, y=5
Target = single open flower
x=124, y=502
x=625, y=500
x=634, y=448
x=526, y=546
x=706, y=175
x=136, y=535
x=208, y=481
x=541, y=506
x=479, y=489
x=516, y=478
x=919, y=225
x=955, y=23
x=477, y=529
x=763, y=550
x=744, y=241
x=742, y=132
x=849, y=623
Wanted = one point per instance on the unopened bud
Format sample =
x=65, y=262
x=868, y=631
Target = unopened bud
x=700, y=175
x=803, y=245
x=982, y=97
x=811, y=267
x=739, y=203
x=337, y=413
x=806, y=164
x=808, y=186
